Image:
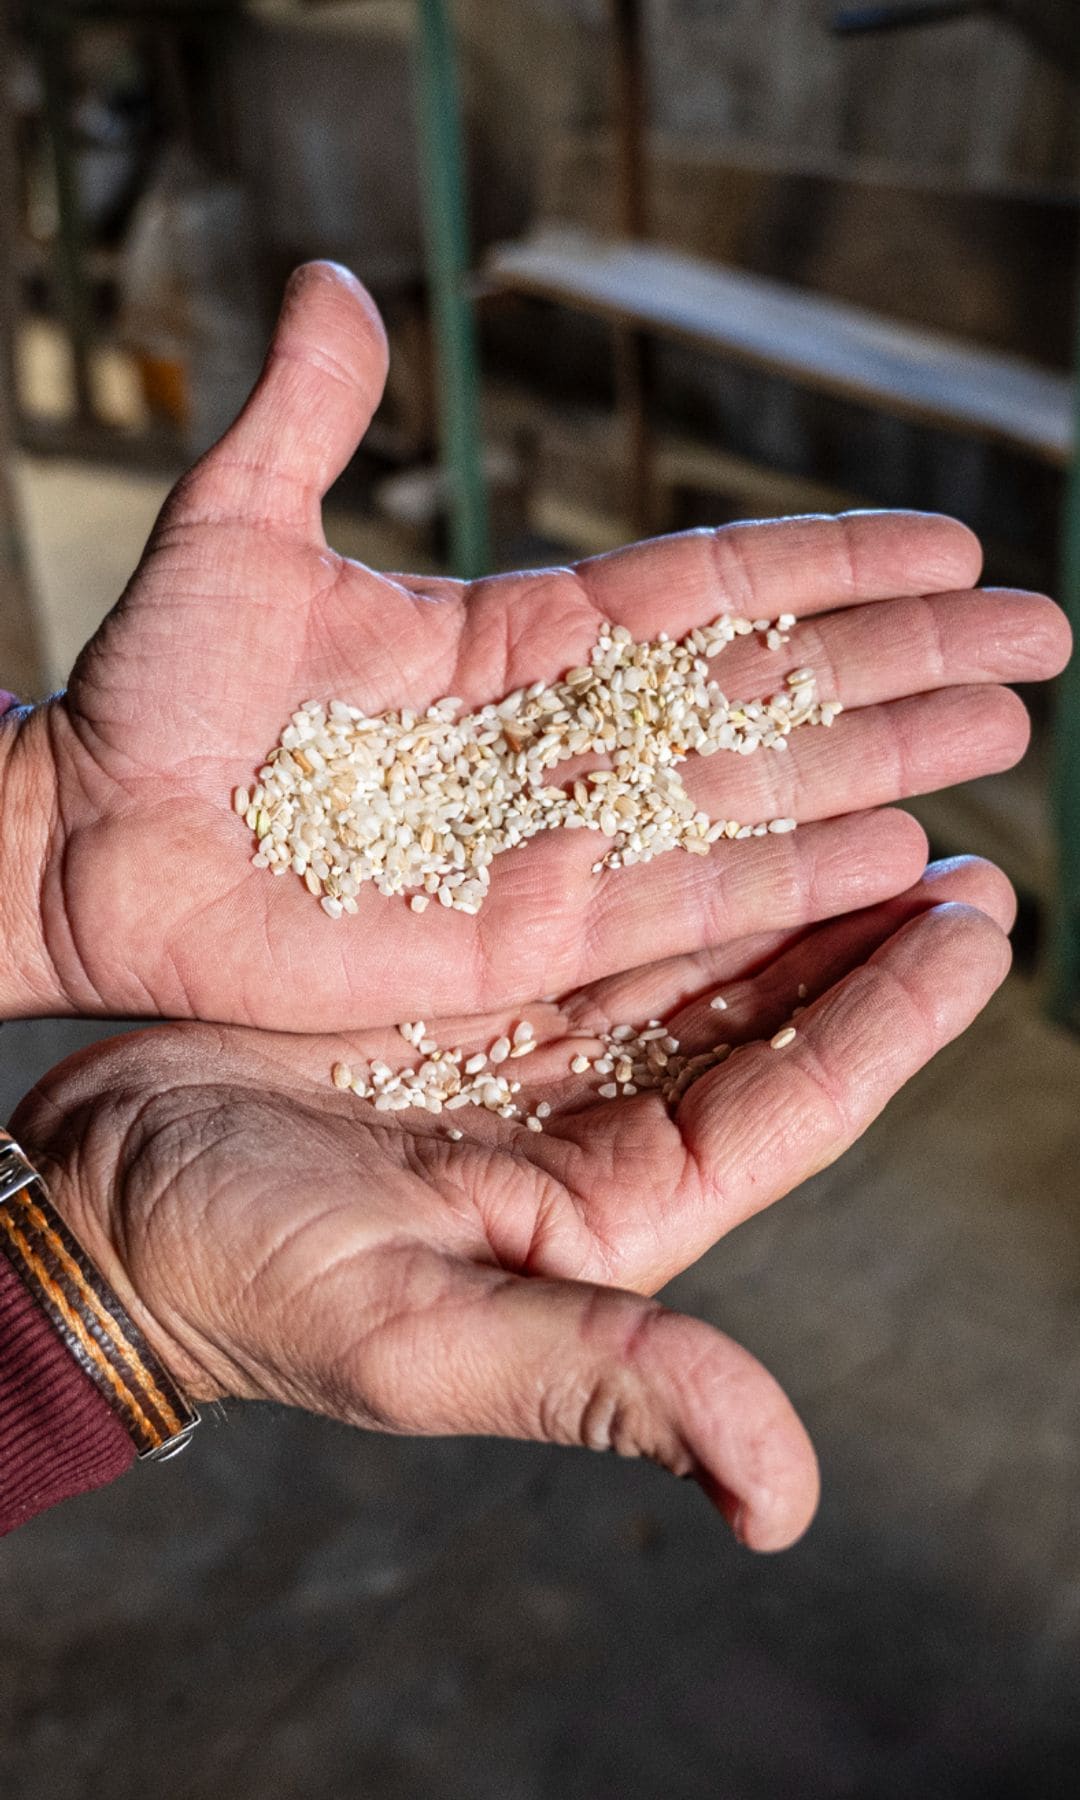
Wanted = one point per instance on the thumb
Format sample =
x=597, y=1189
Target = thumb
x=472, y=1350
x=319, y=387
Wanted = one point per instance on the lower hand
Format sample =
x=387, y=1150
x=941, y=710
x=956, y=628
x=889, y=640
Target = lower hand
x=277, y=1239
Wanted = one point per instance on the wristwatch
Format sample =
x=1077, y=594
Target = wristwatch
x=87, y=1315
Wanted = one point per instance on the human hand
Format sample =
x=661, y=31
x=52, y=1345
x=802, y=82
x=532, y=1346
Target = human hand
x=128, y=885
x=276, y=1239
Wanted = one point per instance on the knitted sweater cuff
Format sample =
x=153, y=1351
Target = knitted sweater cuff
x=58, y=1437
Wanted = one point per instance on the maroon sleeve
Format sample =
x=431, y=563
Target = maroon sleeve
x=58, y=1437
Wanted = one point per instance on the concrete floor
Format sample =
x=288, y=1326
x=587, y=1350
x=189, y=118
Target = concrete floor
x=298, y=1612
x=295, y=1610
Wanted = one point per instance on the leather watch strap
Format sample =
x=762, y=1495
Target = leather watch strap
x=87, y=1315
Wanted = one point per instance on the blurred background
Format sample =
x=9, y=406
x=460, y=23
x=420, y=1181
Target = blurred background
x=644, y=264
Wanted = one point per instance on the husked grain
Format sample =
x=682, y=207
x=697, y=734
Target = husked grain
x=420, y=803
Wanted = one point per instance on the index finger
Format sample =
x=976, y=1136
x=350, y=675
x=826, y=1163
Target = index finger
x=767, y=567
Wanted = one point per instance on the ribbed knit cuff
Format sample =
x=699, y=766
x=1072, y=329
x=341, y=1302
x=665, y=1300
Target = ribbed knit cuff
x=58, y=1437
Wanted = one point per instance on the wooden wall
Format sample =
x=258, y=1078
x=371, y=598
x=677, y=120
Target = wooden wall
x=970, y=101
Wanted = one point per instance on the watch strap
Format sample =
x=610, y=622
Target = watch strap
x=86, y=1314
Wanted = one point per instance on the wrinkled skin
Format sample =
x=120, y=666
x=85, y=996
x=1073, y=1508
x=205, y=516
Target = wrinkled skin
x=137, y=894
x=278, y=1239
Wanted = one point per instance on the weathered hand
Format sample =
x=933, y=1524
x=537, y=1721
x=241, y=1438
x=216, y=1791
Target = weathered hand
x=278, y=1239
x=136, y=894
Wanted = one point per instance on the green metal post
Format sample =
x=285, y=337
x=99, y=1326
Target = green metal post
x=1064, y=993
x=442, y=170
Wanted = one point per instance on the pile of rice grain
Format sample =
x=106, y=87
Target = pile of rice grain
x=423, y=802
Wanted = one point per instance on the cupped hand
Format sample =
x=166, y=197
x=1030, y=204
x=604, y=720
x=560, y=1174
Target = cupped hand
x=277, y=1239
x=137, y=894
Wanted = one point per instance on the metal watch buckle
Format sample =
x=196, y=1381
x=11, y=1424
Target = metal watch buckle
x=16, y=1172
x=174, y=1446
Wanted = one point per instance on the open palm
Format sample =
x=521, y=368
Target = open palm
x=278, y=1239
x=239, y=611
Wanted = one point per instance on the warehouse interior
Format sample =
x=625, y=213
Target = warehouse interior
x=645, y=264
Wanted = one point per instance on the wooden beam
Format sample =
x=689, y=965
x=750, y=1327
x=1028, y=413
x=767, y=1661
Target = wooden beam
x=991, y=265
x=802, y=337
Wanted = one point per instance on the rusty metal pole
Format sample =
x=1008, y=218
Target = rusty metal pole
x=632, y=215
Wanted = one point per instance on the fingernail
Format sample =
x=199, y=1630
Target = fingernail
x=739, y=1519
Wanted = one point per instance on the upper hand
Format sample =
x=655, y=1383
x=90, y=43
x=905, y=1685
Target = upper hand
x=135, y=893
